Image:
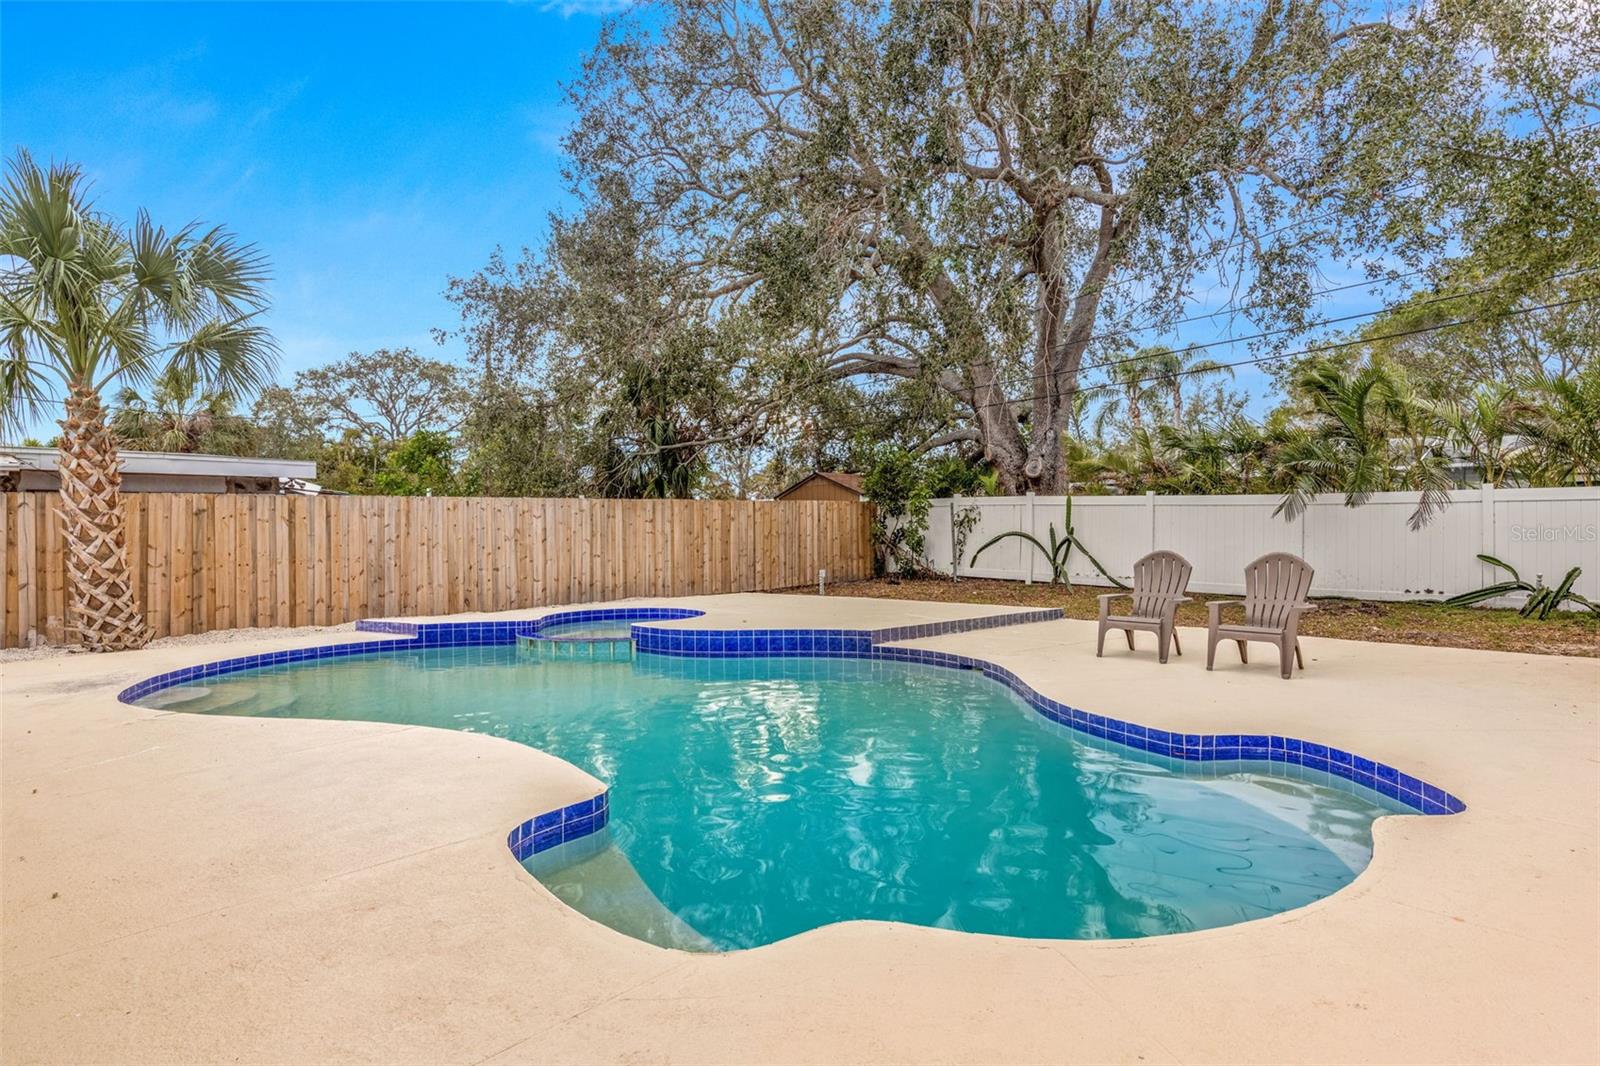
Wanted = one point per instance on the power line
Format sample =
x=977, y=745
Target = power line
x=1310, y=350
x=1445, y=298
x=1256, y=238
x=1342, y=318
x=1237, y=309
x=1315, y=349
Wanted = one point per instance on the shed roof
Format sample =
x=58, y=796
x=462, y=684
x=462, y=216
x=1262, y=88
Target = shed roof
x=851, y=482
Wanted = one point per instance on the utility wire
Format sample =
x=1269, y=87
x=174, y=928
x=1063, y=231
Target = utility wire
x=1239, y=308
x=1244, y=238
x=1315, y=349
x=1445, y=298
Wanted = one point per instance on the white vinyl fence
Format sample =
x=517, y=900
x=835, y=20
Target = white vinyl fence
x=1366, y=552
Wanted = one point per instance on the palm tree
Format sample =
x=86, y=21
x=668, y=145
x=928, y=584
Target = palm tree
x=1563, y=427
x=1151, y=376
x=1133, y=383
x=178, y=416
x=1171, y=370
x=1201, y=459
x=86, y=303
x=1484, y=428
x=1137, y=465
x=1366, y=433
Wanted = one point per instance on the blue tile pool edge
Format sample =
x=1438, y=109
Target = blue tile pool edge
x=572, y=822
x=1421, y=796
x=550, y=828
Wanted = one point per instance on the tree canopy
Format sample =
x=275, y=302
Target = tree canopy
x=986, y=201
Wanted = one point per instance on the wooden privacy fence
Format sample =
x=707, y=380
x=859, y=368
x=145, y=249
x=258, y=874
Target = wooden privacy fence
x=203, y=562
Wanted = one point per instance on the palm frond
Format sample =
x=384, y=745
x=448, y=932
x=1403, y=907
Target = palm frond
x=26, y=394
x=236, y=355
x=102, y=304
x=232, y=274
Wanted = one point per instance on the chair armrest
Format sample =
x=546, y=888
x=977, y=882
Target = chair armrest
x=1214, y=608
x=1105, y=599
x=1295, y=611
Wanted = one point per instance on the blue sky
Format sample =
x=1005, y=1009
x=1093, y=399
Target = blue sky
x=370, y=150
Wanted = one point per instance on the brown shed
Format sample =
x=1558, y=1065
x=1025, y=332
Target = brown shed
x=824, y=486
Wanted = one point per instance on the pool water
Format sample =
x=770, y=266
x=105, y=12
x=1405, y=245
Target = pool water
x=753, y=799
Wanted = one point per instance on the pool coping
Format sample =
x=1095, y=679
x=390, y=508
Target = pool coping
x=550, y=829
x=272, y=890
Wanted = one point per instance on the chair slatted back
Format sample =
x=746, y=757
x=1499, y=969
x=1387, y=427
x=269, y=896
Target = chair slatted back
x=1273, y=584
x=1157, y=578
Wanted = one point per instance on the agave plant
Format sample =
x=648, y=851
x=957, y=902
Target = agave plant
x=1056, y=553
x=1542, y=602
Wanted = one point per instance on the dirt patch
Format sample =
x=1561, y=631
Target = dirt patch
x=1433, y=624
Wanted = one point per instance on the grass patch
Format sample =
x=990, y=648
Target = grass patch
x=1415, y=622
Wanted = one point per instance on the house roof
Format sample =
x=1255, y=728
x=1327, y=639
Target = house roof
x=170, y=463
x=851, y=482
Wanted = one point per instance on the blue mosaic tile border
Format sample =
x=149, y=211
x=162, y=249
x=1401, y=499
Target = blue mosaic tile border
x=752, y=643
x=610, y=614
x=1386, y=780
x=252, y=662
x=454, y=634
x=822, y=643
x=415, y=634
x=544, y=831
x=965, y=625
x=581, y=819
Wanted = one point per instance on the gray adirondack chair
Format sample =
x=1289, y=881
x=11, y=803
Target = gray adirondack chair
x=1275, y=588
x=1160, y=580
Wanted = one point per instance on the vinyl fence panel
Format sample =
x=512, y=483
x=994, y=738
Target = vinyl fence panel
x=1366, y=552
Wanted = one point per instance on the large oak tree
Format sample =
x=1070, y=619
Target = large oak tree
x=985, y=197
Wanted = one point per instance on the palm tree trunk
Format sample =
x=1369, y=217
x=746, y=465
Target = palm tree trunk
x=102, y=612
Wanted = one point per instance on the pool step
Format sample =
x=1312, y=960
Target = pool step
x=576, y=649
x=605, y=887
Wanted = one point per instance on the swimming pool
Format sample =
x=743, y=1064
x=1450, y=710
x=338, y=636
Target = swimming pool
x=753, y=798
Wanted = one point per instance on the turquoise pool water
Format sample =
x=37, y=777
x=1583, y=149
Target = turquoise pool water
x=752, y=799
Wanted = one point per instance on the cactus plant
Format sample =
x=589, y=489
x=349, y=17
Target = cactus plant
x=1542, y=601
x=1056, y=553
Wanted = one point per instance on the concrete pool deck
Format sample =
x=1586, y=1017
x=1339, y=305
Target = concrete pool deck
x=202, y=888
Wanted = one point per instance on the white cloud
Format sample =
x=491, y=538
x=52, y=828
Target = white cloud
x=588, y=8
